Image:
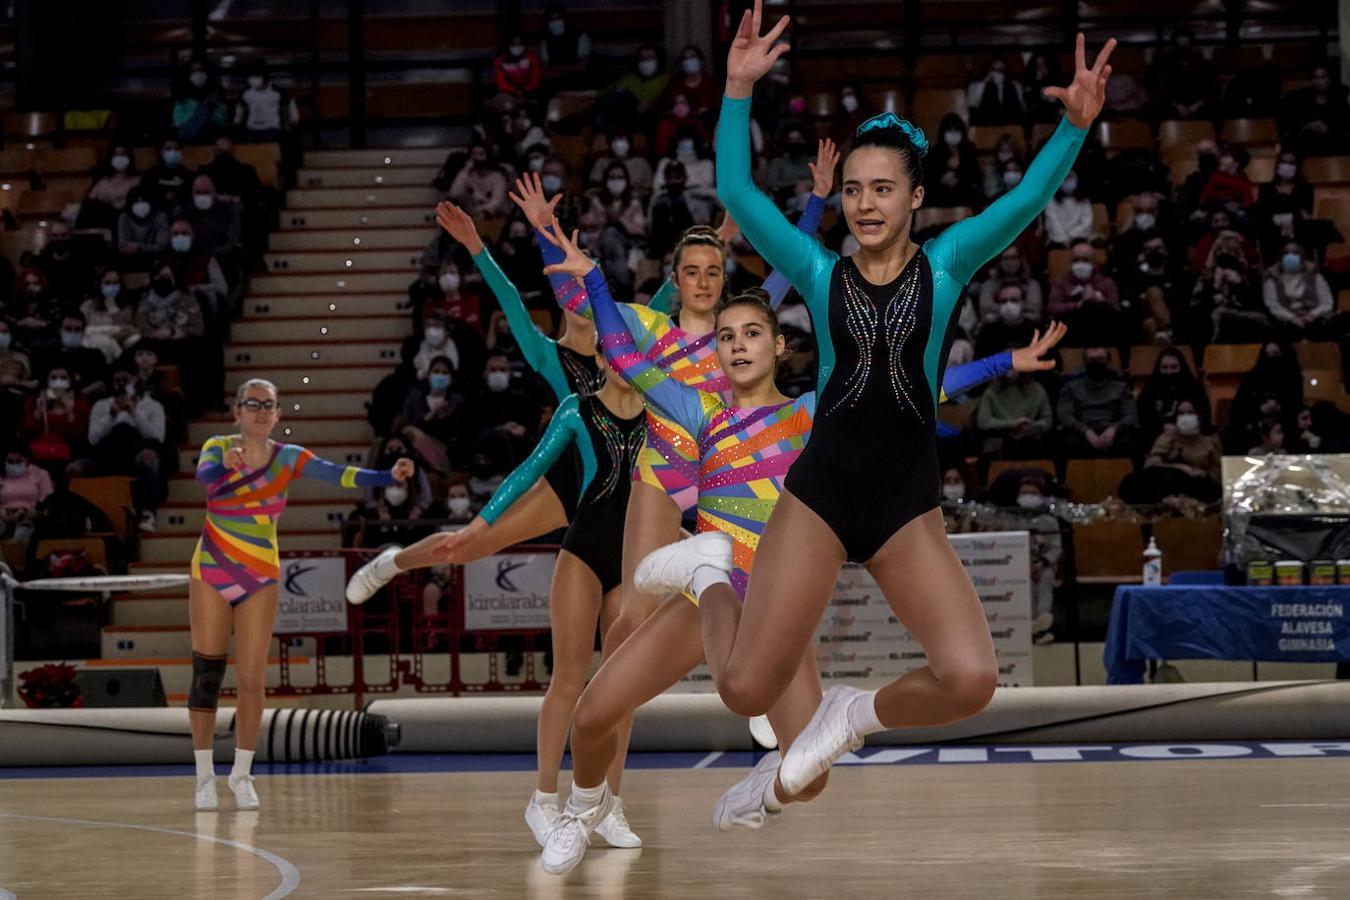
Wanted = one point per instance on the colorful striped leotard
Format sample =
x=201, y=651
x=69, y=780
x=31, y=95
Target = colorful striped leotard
x=744, y=453
x=669, y=458
x=237, y=552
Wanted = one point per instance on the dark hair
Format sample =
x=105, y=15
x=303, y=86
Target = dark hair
x=699, y=236
x=74, y=314
x=910, y=144
x=754, y=297
x=1173, y=353
x=440, y=359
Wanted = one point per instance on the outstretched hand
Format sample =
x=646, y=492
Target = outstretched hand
x=529, y=196
x=1028, y=358
x=459, y=226
x=233, y=457
x=403, y=469
x=1086, y=94
x=822, y=170
x=575, y=263
x=752, y=55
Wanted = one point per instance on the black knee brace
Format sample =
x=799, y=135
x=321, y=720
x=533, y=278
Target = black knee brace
x=207, y=674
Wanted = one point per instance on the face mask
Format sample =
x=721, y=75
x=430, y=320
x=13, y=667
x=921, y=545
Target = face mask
x=616, y=186
x=35, y=290
x=1096, y=370
x=72, y=339
x=1082, y=269
x=435, y=335
x=181, y=243
x=536, y=164
x=172, y=157
x=5, y=339
x=1004, y=155
x=619, y=147
x=59, y=384
x=1010, y=313
x=162, y=286
x=439, y=381
x=458, y=506
x=517, y=50
x=551, y=184
x=140, y=209
x=396, y=495
x=498, y=381
x=203, y=201
x=953, y=492
x=1144, y=221
x=121, y=162
x=449, y=282
x=647, y=68
x=998, y=77
x=110, y=291
x=1287, y=171
x=1030, y=501
x=129, y=388
x=680, y=110
x=1069, y=186
x=1291, y=263
x=556, y=27
x=1188, y=423
x=255, y=81
x=691, y=65
x=685, y=150
x=849, y=102
x=1012, y=178
x=952, y=138
x=197, y=78
x=15, y=470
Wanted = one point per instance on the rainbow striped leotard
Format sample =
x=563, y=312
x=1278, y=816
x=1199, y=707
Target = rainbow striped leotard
x=237, y=552
x=743, y=453
x=669, y=458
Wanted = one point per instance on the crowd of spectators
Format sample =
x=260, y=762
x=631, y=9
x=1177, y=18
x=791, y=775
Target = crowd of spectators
x=112, y=335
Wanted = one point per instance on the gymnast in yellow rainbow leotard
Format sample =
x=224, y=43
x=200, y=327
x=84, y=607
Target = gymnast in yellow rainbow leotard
x=235, y=569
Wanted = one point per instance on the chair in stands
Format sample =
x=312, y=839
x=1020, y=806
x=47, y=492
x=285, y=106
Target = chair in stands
x=1108, y=552
x=112, y=495
x=1093, y=480
x=999, y=466
x=1189, y=544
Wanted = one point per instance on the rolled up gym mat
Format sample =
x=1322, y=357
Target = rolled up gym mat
x=94, y=737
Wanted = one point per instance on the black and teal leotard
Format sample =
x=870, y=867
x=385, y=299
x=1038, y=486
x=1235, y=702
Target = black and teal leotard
x=871, y=465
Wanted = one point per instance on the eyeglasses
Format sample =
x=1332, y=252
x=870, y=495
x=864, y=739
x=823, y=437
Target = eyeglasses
x=253, y=405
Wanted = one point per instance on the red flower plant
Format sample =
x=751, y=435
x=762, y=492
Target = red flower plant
x=50, y=687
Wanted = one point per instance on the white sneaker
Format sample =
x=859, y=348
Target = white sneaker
x=207, y=799
x=541, y=814
x=245, y=797
x=616, y=831
x=367, y=581
x=762, y=732
x=571, y=834
x=671, y=568
x=1043, y=622
x=828, y=736
x=742, y=806
x=148, y=522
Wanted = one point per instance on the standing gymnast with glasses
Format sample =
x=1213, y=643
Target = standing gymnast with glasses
x=235, y=572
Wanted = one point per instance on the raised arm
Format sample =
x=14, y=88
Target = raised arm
x=962, y=378
x=777, y=283
x=539, y=211
x=309, y=465
x=565, y=427
x=211, y=461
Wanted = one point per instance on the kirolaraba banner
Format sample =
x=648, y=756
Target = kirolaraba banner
x=508, y=591
x=312, y=598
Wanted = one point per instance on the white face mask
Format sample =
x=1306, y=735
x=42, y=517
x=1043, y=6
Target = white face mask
x=1081, y=269
x=1286, y=170
x=1070, y=186
x=556, y=27
x=458, y=506
x=1012, y=178
x=5, y=339
x=15, y=470
x=616, y=186
x=619, y=147
x=395, y=495
x=498, y=381
x=1010, y=313
x=255, y=81
x=1030, y=501
x=647, y=68
x=1188, y=423
x=197, y=78
x=140, y=209
x=203, y=201
x=435, y=335
x=685, y=150
x=129, y=389
x=59, y=384
x=952, y=138
x=181, y=242
x=849, y=102
x=121, y=162
x=997, y=77
x=1144, y=221
x=449, y=281
x=550, y=183
x=110, y=291
x=691, y=65
x=953, y=492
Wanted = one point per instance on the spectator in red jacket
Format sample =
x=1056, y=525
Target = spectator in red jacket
x=518, y=70
x=1229, y=185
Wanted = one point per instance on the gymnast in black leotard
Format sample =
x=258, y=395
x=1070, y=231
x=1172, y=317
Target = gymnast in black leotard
x=866, y=486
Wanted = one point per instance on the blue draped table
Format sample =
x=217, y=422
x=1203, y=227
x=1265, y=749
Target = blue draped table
x=1197, y=621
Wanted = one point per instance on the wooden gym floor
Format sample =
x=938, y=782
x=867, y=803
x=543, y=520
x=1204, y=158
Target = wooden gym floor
x=1203, y=828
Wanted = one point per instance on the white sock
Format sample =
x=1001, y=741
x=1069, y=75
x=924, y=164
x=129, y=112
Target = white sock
x=546, y=799
x=205, y=759
x=386, y=567
x=770, y=798
x=862, y=714
x=243, y=763
x=705, y=577
x=585, y=798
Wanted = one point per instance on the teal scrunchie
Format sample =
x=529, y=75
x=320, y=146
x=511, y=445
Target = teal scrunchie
x=891, y=120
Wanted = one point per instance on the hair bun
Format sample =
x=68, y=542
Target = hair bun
x=916, y=136
x=757, y=294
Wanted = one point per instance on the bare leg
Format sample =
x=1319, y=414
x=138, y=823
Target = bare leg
x=253, y=621
x=932, y=596
x=652, y=522
x=538, y=511
x=653, y=658
x=209, y=616
x=574, y=606
x=609, y=614
x=754, y=652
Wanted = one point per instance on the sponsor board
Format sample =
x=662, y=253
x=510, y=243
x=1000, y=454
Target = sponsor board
x=508, y=591
x=312, y=595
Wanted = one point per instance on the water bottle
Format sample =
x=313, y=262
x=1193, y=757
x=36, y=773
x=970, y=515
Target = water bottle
x=1152, y=564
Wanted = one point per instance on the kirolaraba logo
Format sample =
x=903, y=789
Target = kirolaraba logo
x=293, y=573
x=505, y=567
